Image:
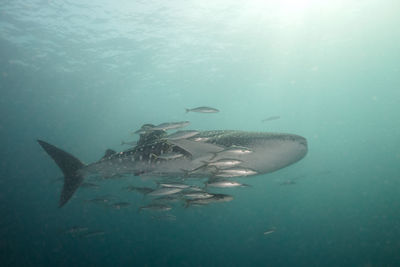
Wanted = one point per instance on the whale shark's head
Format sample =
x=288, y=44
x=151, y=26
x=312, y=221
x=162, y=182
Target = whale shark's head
x=271, y=151
x=277, y=151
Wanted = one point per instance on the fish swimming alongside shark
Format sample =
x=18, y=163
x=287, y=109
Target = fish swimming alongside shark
x=269, y=152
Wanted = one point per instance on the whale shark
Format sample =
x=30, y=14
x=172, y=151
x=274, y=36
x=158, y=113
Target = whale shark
x=154, y=155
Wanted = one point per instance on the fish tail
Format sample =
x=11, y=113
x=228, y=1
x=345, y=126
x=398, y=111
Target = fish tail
x=153, y=155
x=185, y=173
x=70, y=166
x=187, y=204
x=214, y=155
x=187, y=110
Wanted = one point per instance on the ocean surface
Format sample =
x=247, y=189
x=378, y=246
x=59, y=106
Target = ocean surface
x=83, y=75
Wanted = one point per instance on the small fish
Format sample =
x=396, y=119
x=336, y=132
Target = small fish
x=270, y=231
x=181, y=135
x=92, y=234
x=165, y=191
x=225, y=184
x=183, y=186
x=194, y=188
x=99, y=200
x=168, y=198
x=120, y=205
x=219, y=164
x=144, y=129
x=198, y=195
x=202, y=110
x=235, y=172
x=223, y=163
x=141, y=190
x=155, y=207
x=170, y=125
x=271, y=118
x=205, y=201
x=232, y=150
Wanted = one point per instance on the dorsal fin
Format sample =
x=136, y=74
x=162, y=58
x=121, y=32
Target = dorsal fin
x=108, y=153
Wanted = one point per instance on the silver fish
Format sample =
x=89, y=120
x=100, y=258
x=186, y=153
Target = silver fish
x=91, y=234
x=183, y=186
x=182, y=135
x=165, y=191
x=270, y=231
x=169, y=198
x=235, y=172
x=170, y=125
x=194, y=188
x=144, y=129
x=224, y=163
x=198, y=195
x=99, y=200
x=271, y=118
x=232, y=150
x=141, y=190
x=202, y=110
x=156, y=207
x=225, y=184
x=205, y=201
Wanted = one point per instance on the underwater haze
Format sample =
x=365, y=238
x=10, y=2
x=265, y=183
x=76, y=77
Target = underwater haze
x=84, y=75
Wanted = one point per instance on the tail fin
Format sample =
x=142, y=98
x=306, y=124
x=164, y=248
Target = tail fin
x=215, y=154
x=69, y=165
x=187, y=110
x=187, y=204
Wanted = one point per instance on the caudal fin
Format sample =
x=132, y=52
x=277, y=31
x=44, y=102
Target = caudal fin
x=69, y=165
x=187, y=204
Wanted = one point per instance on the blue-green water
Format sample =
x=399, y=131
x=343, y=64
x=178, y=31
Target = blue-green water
x=84, y=74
